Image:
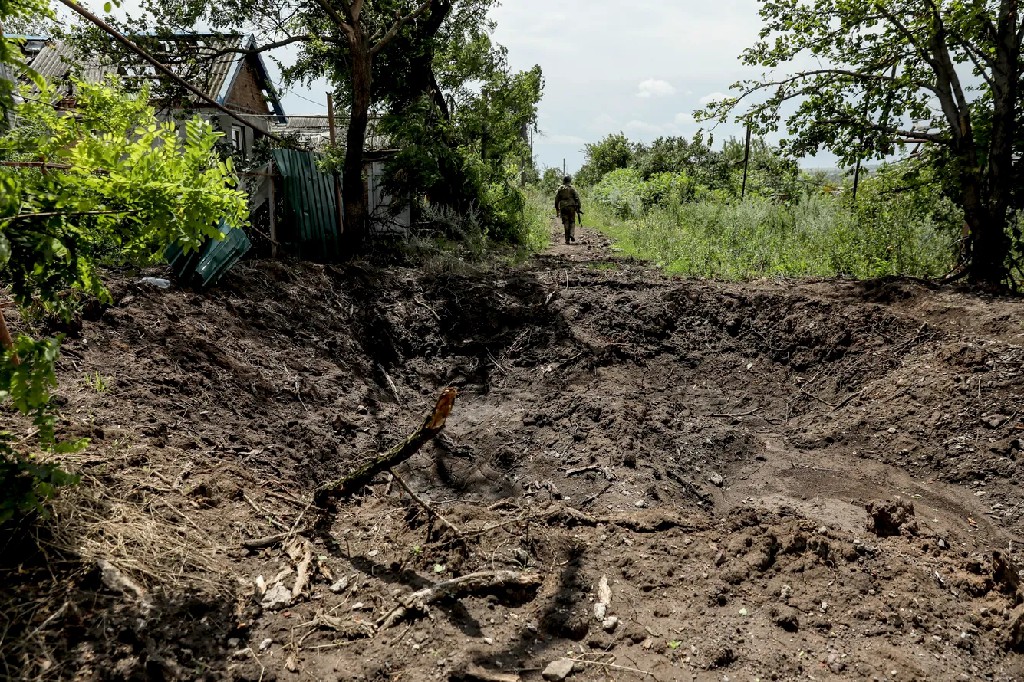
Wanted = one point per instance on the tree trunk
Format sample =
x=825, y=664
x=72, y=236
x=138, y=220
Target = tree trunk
x=353, y=187
x=990, y=241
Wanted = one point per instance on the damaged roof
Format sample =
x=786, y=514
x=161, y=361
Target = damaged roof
x=210, y=62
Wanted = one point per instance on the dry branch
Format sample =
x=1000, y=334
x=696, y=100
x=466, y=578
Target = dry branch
x=270, y=540
x=483, y=582
x=426, y=506
x=354, y=482
x=305, y=550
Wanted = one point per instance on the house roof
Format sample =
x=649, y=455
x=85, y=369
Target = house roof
x=315, y=130
x=207, y=61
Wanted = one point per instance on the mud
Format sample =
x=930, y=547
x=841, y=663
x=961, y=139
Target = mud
x=709, y=448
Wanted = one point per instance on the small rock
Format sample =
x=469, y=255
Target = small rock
x=277, y=597
x=265, y=644
x=943, y=544
x=716, y=480
x=892, y=518
x=609, y=624
x=835, y=663
x=234, y=642
x=340, y=586
x=786, y=617
x=640, y=504
x=558, y=670
x=994, y=421
x=157, y=282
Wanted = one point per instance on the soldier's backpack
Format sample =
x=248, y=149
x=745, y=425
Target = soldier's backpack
x=566, y=197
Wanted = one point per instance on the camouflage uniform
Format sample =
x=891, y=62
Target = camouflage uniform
x=567, y=203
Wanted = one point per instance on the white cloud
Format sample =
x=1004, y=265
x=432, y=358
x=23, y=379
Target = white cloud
x=603, y=124
x=684, y=118
x=644, y=128
x=653, y=87
x=669, y=52
x=713, y=97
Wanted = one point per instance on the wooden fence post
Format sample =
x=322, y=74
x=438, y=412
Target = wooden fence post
x=337, y=181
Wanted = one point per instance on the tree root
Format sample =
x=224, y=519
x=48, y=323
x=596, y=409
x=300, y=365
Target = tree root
x=349, y=485
x=509, y=584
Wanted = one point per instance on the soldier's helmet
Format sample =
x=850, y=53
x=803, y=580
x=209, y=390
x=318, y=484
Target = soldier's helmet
x=567, y=179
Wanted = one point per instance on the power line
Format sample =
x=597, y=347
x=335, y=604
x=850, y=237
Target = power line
x=296, y=94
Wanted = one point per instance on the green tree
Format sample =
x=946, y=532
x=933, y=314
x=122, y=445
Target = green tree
x=611, y=153
x=381, y=55
x=895, y=72
x=74, y=189
x=461, y=120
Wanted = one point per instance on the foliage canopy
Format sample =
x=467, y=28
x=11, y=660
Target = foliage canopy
x=943, y=73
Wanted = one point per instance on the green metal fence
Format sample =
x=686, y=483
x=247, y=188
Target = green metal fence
x=310, y=229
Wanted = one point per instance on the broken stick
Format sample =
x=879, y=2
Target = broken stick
x=426, y=506
x=354, y=482
x=520, y=586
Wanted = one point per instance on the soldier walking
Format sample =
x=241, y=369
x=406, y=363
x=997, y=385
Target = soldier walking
x=567, y=205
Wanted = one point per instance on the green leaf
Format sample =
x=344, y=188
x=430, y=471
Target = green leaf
x=107, y=7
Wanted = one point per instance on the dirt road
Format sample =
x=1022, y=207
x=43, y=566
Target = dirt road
x=706, y=450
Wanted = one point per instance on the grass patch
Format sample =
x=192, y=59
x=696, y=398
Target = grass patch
x=819, y=236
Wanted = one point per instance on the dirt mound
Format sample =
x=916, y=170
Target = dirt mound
x=708, y=450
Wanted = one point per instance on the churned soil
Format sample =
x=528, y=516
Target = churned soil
x=773, y=480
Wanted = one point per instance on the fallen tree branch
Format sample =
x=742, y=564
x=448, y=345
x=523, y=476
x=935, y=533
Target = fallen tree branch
x=749, y=412
x=519, y=585
x=354, y=482
x=583, y=470
x=426, y=506
x=271, y=540
x=266, y=515
x=302, y=568
x=612, y=666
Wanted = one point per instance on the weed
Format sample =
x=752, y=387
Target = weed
x=816, y=237
x=97, y=382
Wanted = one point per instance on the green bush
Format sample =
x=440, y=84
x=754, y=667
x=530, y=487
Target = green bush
x=122, y=185
x=621, y=191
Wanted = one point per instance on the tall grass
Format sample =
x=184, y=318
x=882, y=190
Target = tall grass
x=818, y=236
x=537, y=219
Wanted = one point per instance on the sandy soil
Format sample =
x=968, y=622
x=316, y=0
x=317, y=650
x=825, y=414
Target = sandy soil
x=709, y=451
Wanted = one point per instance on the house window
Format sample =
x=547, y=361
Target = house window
x=238, y=138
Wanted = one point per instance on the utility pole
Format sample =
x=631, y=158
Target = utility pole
x=856, y=180
x=746, y=165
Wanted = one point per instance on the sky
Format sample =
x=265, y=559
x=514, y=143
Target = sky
x=640, y=68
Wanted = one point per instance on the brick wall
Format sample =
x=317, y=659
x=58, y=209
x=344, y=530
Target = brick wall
x=245, y=95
